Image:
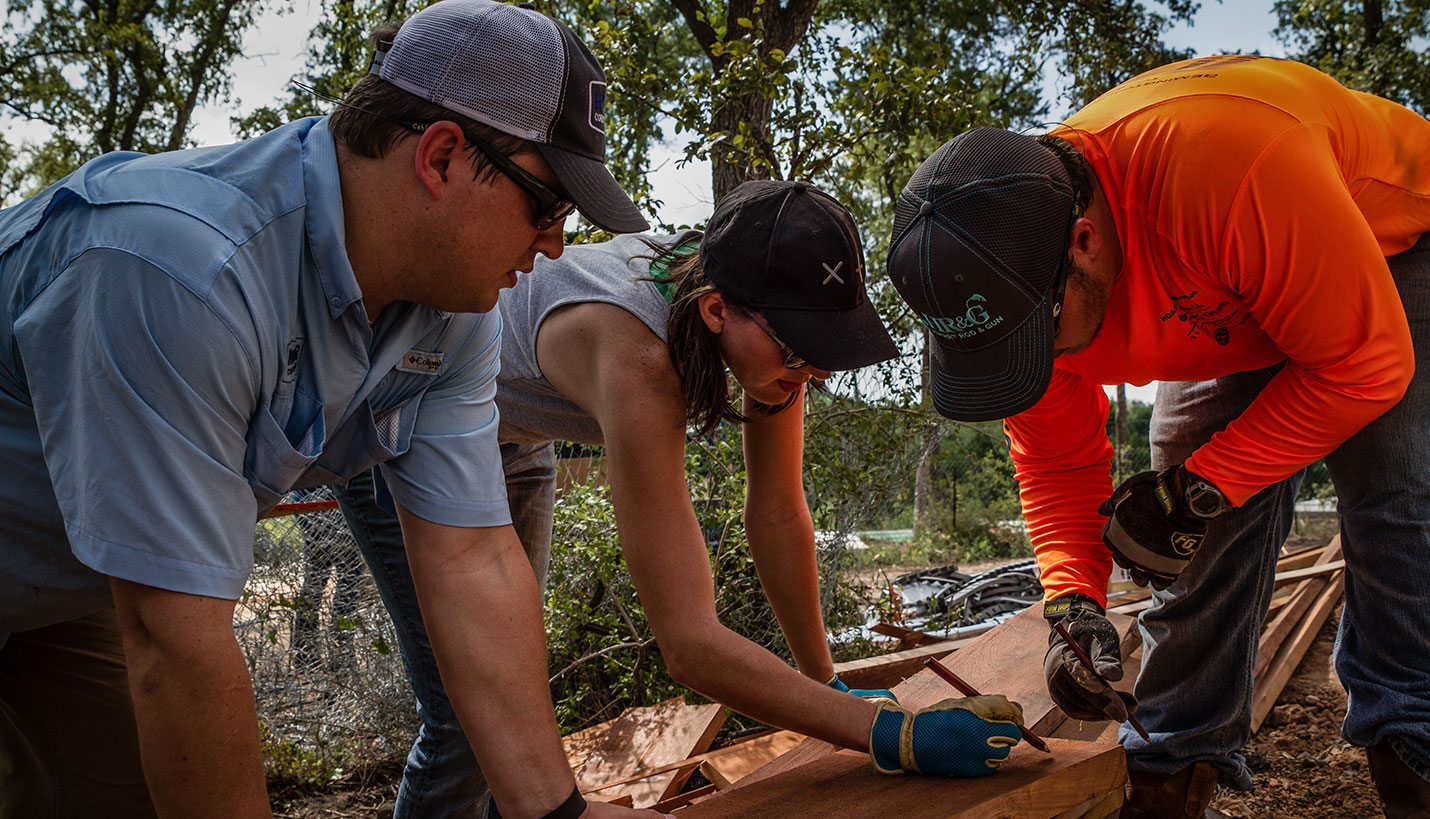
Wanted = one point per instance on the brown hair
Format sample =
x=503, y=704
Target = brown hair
x=375, y=116
x=694, y=350
x=1079, y=171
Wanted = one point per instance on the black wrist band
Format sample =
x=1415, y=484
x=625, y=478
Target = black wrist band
x=573, y=807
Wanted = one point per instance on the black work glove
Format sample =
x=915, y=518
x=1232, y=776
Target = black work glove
x=1150, y=530
x=1076, y=690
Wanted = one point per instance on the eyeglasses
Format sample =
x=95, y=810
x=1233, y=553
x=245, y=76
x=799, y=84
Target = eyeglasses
x=793, y=361
x=1060, y=287
x=551, y=207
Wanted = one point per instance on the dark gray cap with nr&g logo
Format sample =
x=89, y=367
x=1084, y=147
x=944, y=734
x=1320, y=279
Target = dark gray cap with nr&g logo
x=979, y=242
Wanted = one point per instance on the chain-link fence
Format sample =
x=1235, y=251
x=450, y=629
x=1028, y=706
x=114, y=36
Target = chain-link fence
x=320, y=648
x=330, y=687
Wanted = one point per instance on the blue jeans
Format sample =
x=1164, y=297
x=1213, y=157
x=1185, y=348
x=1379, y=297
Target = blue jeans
x=442, y=778
x=1200, y=636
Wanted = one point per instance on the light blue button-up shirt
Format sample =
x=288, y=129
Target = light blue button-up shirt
x=182, y=342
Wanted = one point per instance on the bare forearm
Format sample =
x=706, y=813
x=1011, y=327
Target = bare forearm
x=193, y=704
x=198, y=734
x=726, y=667
x=484, y=619
x=785, y=560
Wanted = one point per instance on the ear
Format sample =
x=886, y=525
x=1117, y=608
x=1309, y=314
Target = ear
x=1086, y=242
x=439, y=156
x=713, y=311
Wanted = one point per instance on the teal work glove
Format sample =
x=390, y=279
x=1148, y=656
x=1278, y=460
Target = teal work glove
x=867, y=693
x=957, y=737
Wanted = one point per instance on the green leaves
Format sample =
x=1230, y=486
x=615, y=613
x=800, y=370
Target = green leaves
x=1375, y=46
x=118, y=76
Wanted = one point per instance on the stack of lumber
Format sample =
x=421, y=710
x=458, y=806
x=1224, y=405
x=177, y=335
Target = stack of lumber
x=646, y=757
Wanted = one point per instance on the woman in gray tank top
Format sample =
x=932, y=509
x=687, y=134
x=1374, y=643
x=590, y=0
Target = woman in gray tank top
x=626, y=344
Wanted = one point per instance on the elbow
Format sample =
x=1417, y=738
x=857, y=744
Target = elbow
x=687, y=657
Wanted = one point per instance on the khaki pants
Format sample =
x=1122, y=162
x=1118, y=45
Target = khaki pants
x=68, y=745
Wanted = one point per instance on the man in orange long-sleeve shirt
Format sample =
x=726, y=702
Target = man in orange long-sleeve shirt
x=1249, y=232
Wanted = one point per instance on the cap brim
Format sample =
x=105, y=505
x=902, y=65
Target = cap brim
x=834, y=340
x=594, y=190
x=998, y=381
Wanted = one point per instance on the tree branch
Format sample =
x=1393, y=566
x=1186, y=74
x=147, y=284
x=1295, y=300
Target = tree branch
x=699, y=26
x=589, y=657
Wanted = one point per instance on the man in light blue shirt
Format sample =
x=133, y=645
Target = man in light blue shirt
x=184, y=338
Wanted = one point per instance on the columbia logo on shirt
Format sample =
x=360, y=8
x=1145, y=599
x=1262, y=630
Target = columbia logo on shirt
x=417, y=361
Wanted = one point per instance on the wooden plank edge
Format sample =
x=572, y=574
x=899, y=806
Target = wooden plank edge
x=1268, y=689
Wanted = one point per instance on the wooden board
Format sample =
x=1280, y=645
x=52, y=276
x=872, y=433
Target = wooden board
x=1276, y=629
x=888, y=670
x=578, y=745
x=645, y=738
x=736, y=762
x=908, y=638
x=1007, y=660
x=1268, y=688
x=843, y=785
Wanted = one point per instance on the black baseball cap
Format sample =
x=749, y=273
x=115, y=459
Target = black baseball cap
x=524, y=74
x=980, y=237
x=790, y=251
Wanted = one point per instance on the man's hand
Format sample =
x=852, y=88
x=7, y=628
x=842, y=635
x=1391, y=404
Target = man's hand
x=957, y=737
x=1076, y=690
x=1150, y=529
x=864, y=693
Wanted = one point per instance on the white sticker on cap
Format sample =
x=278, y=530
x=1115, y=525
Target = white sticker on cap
x=598, y=106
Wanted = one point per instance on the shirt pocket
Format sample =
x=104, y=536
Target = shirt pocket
x=278, y=455
x=369, y=437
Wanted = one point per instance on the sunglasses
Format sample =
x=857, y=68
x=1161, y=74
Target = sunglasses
x=793, y=361
x=1060, y=286
x=551, y=207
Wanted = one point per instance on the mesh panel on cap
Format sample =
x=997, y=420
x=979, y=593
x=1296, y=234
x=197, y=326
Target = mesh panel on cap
x=919, y=182
x=905, y=209
x=1020, y=221
x=506, y=69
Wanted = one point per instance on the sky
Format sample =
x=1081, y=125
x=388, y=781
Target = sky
x=275, y=51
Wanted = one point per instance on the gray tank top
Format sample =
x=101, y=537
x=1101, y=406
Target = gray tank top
x=533, y=411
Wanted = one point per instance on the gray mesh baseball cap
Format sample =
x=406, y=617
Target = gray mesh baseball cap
x=979, y=242
x=524, y=74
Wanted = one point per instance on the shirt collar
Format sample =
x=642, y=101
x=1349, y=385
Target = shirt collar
x=323, y=219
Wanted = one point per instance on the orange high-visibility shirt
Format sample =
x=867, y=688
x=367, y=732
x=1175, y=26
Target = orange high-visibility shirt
x=1256, y=201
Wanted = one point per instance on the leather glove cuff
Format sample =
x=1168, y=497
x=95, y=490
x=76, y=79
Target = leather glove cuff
x=1069, y=605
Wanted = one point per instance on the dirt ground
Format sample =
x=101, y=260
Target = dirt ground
x=1302, y=769
x=1301, y=766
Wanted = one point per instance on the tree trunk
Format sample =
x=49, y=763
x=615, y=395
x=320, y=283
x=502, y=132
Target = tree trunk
x=1374, y=16
x=1121, y=456
x=731, y=166
x=781, y=26
x=928, y=441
